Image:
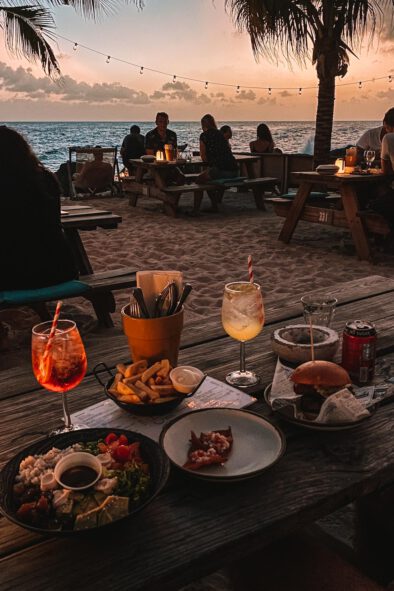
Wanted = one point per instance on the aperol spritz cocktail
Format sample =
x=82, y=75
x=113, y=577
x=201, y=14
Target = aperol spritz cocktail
x=243, y=320
x=61, y=366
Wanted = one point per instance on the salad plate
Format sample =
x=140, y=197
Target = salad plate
x=256, y=444
x=134, y=471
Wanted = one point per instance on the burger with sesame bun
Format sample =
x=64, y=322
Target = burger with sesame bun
x=315, y=381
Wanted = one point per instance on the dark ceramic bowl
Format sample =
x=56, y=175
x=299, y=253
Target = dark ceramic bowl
x=151, y=453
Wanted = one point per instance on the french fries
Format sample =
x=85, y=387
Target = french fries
x=139, y=384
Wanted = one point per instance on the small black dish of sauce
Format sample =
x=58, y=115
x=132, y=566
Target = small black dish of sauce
x=77, y=471
x=79, y=476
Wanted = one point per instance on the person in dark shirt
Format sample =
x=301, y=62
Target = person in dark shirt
x=161, y=135
x=34, y=250
x=227, y=132
x=216, y=151
x=133, y=146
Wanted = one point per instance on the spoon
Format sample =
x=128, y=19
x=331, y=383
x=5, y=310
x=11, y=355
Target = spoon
x=185, y=293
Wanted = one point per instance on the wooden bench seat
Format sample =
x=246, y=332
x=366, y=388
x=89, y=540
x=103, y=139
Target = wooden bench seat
x=170, y=195
x=96, y=288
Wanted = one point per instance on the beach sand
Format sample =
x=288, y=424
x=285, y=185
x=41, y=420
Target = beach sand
x=210, y=250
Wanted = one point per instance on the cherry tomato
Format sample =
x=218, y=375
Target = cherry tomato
x=102, y=447
x=134, y=450
x=110, y=438
x=121, y=454
x=123, y=440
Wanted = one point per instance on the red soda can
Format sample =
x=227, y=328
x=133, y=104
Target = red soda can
x=359, y=350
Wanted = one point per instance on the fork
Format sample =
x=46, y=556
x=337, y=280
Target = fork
x=135, y=311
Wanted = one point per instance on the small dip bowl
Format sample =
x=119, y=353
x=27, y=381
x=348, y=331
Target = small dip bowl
x=78, y=470
x=186, y=378
x=292, y=343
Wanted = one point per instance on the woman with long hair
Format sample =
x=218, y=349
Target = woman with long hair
x=264, y=142
x=216, y=152
x=34, y=250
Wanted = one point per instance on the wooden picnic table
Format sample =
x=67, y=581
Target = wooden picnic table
x=193, y=528
x=348, y=217
x=159, y=183
x=82, y=217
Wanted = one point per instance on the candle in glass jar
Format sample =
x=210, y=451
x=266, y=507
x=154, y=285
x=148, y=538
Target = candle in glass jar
x=159, y=155
x=340, y=162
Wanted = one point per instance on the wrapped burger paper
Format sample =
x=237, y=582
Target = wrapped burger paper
x=152, y=284
x=344, y=406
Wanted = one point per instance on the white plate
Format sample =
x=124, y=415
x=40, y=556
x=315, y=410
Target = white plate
x=257, y=443
x=312, y=424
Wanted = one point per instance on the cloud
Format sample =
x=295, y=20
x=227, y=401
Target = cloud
x=180, y=91
x=22, y=82
x=386, y=94
x=246, y=95
x=285, y=93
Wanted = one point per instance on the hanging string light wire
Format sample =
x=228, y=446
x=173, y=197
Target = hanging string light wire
x=175, y=77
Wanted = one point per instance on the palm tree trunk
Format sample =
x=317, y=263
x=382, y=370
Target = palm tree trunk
x=324, y=120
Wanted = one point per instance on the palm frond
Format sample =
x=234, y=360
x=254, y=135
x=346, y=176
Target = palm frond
x=93, y=8
x=277, y=26
x=25, y=31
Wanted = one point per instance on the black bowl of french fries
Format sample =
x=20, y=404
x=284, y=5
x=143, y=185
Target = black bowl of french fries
x=141, y=389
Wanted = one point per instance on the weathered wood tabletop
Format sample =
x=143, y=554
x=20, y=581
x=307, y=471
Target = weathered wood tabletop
x=194, y=528
x=75, y=219
x=347, y=185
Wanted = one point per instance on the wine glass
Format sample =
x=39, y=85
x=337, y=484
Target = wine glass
x=59, y=365
x=242, y=319
x=369, y=156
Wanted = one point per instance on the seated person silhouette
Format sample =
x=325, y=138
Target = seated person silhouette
x=95, y=175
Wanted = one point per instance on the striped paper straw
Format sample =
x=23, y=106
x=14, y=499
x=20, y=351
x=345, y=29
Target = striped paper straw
x=44, y=361
x=250, y=269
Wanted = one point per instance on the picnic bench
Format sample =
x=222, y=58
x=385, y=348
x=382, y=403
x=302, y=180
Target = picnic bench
x=95, y=287
x=158, y=186
x=348, y=214
x=194, y=528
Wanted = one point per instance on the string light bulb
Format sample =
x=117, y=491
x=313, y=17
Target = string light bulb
x=141, y=69
x=206, y=85
x=300, y=91
x=174, y=79
x=360, y=84
x=270, y=91
x=75, y=46
x=238, y=89
x=390, y=78
x=108, y=59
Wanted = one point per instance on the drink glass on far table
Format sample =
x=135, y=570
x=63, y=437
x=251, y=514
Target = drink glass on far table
x=242, y=319
x=318, y=309
x=369, y=157
x=61, y=366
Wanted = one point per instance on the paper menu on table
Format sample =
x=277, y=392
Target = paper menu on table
x=152, y=284
x=211, y=394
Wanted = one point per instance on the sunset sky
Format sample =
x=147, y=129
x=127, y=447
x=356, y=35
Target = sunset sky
x=194, y=38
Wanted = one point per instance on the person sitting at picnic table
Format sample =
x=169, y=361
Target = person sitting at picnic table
x=35, y=251
x=157, y=138
x=264, y=142
x=95, y=175
x=216, y=151
x=227, y=132
x=372, y=138
x=133, y=146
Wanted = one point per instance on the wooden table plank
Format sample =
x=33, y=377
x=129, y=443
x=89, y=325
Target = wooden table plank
x=110, y=345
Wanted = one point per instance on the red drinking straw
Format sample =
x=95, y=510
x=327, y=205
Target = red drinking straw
x=44, y=362
x=250, y=269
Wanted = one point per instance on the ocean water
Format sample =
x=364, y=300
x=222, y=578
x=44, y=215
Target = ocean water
x=50, y=140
